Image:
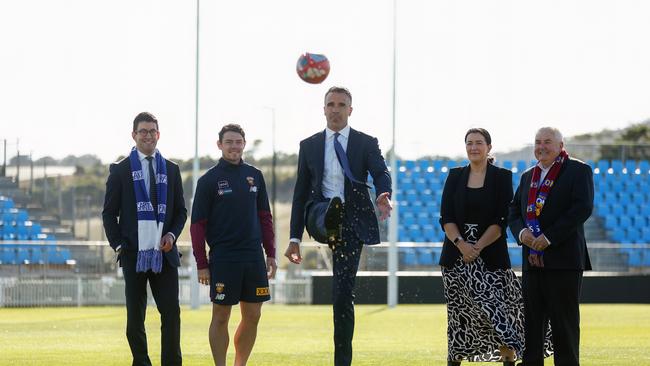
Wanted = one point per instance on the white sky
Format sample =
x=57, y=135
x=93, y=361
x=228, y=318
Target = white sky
x=74, y=73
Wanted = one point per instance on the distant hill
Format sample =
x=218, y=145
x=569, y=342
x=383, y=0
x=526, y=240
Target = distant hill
x=632, y=142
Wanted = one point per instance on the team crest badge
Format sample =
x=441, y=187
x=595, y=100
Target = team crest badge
x=251, y=183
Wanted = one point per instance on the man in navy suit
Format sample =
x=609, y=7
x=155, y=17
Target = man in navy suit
x=122, y=225
x=547, y=216
x=331, y=198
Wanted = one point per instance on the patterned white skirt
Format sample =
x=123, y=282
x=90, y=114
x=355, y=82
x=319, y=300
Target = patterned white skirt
x=485, y=310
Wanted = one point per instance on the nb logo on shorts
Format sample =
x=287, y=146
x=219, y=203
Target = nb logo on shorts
x=262, y=291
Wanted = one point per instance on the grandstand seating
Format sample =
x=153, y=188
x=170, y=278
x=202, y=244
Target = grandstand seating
x=16, y=227
x=622, y=202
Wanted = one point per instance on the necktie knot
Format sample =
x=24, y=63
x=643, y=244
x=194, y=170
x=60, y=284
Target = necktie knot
x=149, y=158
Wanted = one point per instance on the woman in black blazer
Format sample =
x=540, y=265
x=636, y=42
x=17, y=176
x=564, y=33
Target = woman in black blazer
x=484, y=306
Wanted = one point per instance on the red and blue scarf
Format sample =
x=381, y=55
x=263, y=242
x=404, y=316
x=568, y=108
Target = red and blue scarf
x=538, y=192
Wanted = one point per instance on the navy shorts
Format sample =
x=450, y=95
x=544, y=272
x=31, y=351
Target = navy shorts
x=232, y=282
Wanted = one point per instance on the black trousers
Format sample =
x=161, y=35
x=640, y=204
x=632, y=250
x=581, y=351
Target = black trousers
x=164, y=288
x=552, y=295
x=346, y=254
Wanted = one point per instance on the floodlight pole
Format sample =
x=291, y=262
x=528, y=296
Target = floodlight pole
x=393, y=286
x=194, y=276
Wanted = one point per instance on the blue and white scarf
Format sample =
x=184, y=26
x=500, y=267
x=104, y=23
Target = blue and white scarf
x=150, y=226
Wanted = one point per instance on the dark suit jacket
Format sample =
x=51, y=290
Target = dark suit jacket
x=365, y=157
x=498, y=183
x=120, y=216
x=568, y=205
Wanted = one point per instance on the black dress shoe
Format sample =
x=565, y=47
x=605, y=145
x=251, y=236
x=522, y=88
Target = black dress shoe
x=453, y=363
x=333, y=219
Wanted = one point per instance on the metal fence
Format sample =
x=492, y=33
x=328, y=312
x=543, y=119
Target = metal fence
x=90, y=276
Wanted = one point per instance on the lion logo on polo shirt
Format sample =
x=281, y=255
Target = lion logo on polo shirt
x=251, y=183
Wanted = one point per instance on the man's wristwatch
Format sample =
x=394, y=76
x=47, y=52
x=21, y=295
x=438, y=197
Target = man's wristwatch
x=457, y=240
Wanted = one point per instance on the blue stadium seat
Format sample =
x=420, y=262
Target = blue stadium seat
x=624, y=198
x=645, y=234
x=602, y=209
x=423, y=165
x=638, y=198
x=23, y=256
x=38, y=254
x=402, y=234
x=611, y=222
x=410, y=257
x=617, y=209
x=618, y=235
x=630, y=166
x=421, y=184
x=645, y=210
x=624, y=221
x=615, y=185
x=639, y=221
x=602, y=166
x=425, y=256
x=429, y=232
x=632, y=234
x=8, y=232
x=507, y=164
x=610, y=198
x=634, y=256
x=521, y=166
x=645, y=257
x=644, y=167
x=8, y=255
x=617, y=167
x=408, y=219
x=423, y=219
x=437, y=165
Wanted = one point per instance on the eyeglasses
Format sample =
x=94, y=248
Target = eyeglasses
x=144, y=132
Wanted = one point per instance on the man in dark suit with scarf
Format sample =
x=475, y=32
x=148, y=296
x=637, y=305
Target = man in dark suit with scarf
x=144, y=213
x=332, y=201
x=547, y=215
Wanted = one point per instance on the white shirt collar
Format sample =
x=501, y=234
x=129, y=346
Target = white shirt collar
x=542, y=166
x=345, y=132
x=143, y=156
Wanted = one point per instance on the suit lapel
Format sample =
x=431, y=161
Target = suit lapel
x=460, y=194
x=352, y=149
x=319, y=155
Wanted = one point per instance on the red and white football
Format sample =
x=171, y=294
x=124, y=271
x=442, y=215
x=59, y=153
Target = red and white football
x=313, y=68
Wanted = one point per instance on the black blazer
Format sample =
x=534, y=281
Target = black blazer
x=568, y=205
x=365, y=157
x=120, y=216
x=498, y=183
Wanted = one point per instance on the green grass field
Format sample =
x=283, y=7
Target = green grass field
x=293, y=335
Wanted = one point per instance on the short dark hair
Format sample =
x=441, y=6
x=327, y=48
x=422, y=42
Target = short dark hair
x=341, y=90
x=231, y=127
x=144, y=117
x=486, y=135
